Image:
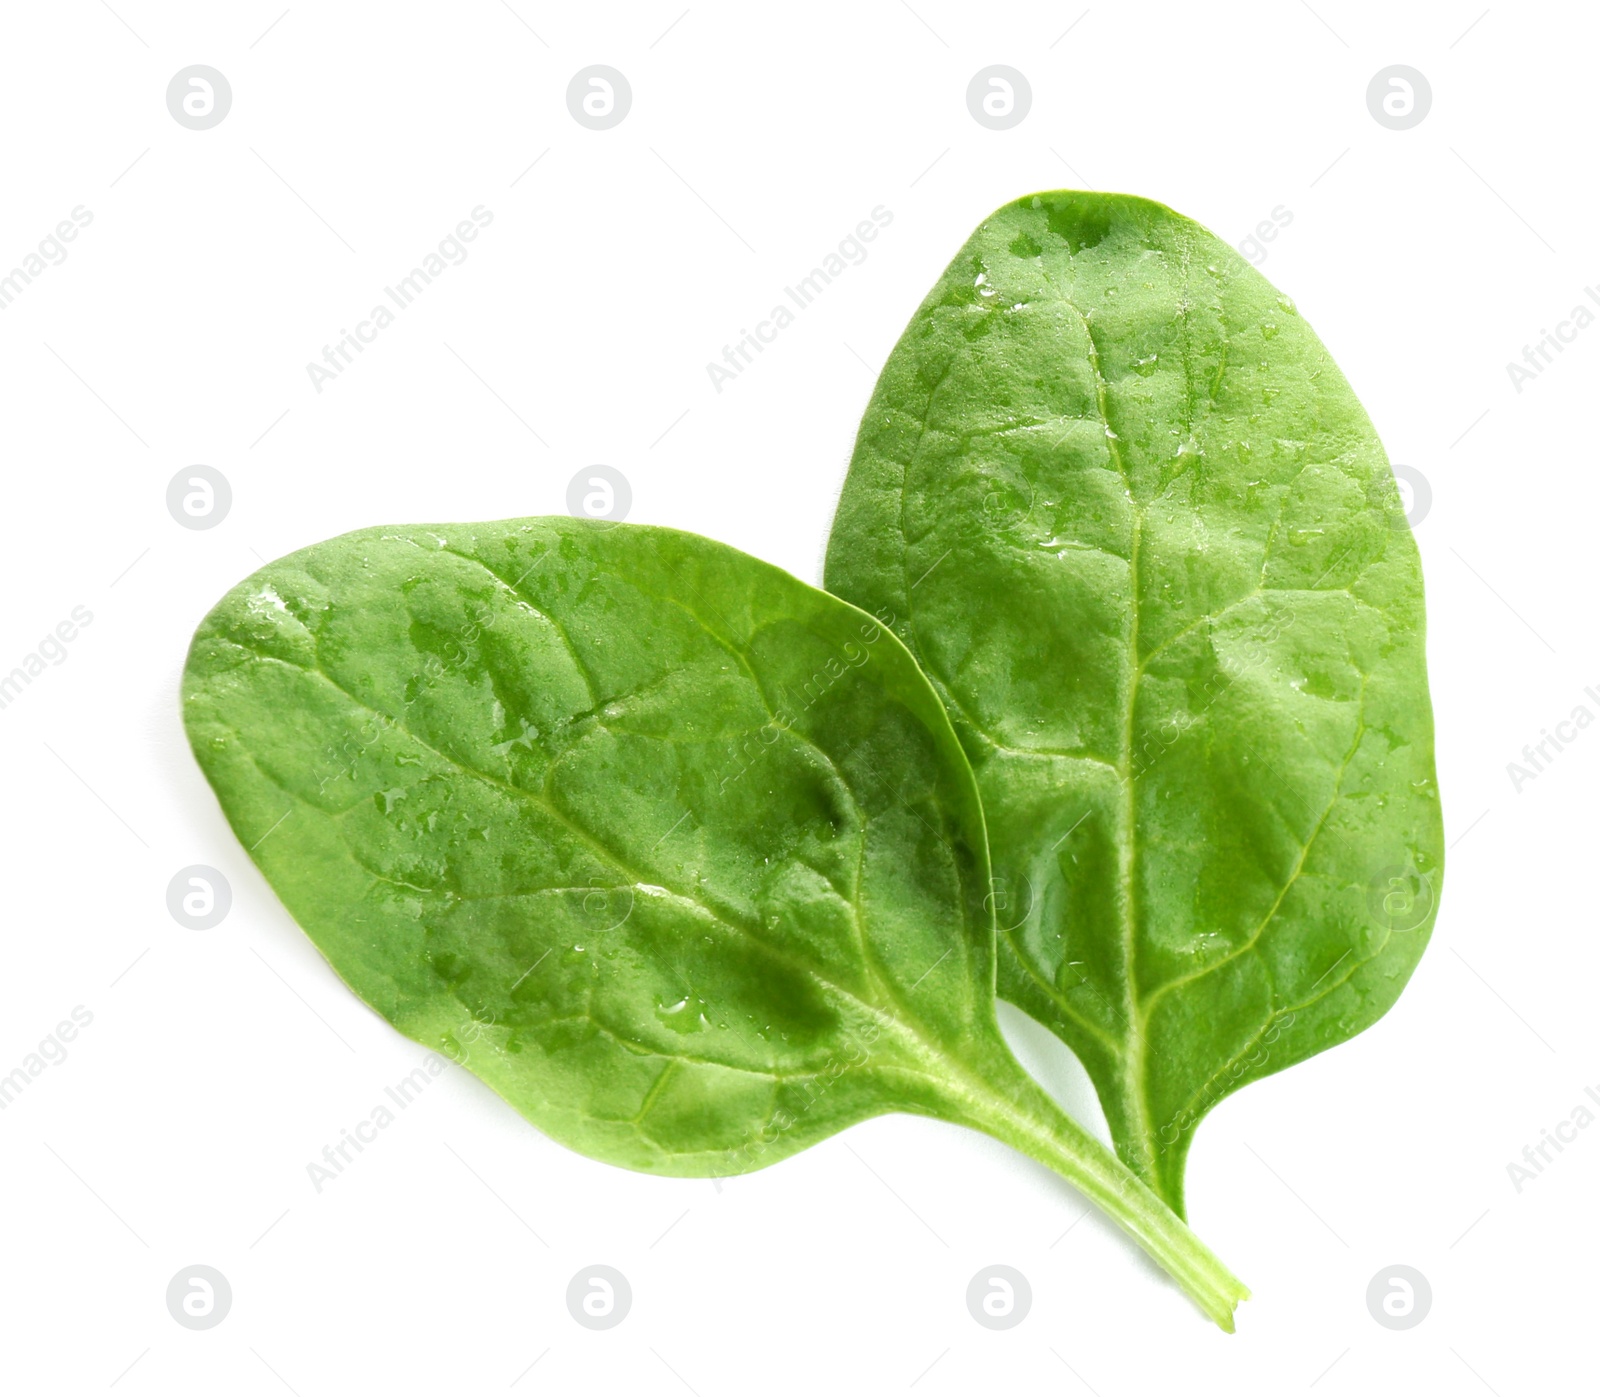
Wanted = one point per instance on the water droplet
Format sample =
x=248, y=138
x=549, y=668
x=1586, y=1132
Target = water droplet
x=687, y=1015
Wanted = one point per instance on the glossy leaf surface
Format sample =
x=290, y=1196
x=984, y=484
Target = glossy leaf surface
x=670, y=831
x=1145, y=542
x=678, y=854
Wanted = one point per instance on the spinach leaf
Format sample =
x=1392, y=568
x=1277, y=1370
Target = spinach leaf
x=1145, y=543
x=679, y=855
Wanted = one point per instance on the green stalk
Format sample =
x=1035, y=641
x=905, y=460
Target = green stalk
x=1029, y=1120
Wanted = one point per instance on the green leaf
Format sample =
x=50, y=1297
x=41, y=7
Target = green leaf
x=1146, y=544
x=680, y=855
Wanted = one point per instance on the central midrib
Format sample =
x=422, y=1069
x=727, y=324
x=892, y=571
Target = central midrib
x=1132, y=1058
x=1133, y=1054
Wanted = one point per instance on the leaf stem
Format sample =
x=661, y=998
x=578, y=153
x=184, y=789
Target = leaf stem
x=1028, y=1119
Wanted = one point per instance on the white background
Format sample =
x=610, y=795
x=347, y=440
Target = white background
x=177, y=332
